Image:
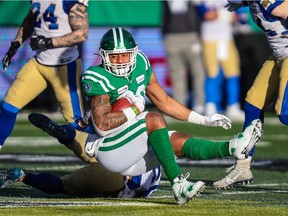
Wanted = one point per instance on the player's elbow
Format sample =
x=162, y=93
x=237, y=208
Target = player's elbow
x=83, y=36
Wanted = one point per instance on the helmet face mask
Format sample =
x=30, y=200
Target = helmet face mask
x=117, y=41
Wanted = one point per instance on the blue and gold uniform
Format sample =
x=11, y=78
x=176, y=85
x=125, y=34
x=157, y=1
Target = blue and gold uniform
x=220, y=55
x=270, y=85
x=59, y=67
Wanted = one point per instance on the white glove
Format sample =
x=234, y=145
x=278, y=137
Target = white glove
x=217, y=120
x=137, y=100
x=234, y=5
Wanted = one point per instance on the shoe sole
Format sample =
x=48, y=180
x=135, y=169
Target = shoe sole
x=255, y=138
x=238, y=183
x=47, y=125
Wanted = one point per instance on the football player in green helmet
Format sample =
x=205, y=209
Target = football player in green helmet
x=133, y=141
x=118, y=41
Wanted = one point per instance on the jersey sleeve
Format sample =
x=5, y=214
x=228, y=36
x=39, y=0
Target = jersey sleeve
x=270, y=5
x=91, y=85
x=144, y=61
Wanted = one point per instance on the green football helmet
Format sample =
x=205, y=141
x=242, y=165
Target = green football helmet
x=114, y=41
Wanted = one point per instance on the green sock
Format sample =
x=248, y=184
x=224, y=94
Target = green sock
x=198, y=149
x=160, y=143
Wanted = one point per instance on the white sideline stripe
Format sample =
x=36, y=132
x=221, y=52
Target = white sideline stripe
x=32, y=141
x=254, y=192
x=51, y=141
x=223, y=162
x=39, y=158
x=13, y=204
x=250, y=185
x=66, y=158
x=267, y=185
x=70, y=168
x=230, y=193
x=62, y=158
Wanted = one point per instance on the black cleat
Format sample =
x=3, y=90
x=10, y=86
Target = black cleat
x=47, y=125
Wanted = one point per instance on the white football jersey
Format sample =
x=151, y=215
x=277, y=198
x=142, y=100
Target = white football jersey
x=52, y=21
x=220, y=28
x=275, y=28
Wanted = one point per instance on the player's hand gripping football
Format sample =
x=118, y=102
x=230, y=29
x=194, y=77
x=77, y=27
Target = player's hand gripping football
x=137, y=100
x=40, y=42
x=234, y=5
x=11, y=52
x=217, y=120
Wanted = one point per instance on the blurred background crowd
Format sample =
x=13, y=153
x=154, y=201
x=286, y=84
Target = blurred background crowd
x=203, y=56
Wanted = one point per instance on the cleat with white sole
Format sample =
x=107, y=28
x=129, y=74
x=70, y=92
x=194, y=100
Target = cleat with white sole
x=184, y=190
x=241, y=145
x=239, y=173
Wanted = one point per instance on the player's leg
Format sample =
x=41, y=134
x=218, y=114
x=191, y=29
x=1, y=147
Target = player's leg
x=26, y=86
x=231, y=70
x=213, y=80
x=126, y=151
x=260, y=95
x=177, y=67
x=65, y=81
x=159, y=140
x=198, y=149
x=92, y=179
x=45, y=182
x=281, y=107
x=194, y=58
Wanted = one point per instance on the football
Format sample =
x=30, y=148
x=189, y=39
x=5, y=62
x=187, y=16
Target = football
x=121, y=104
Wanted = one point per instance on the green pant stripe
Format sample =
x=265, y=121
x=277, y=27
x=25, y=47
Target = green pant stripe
x=124, y=132
x=124, y=141
x=124, y=136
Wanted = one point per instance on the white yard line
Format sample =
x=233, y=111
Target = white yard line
x=32, y=141
x=13, y=204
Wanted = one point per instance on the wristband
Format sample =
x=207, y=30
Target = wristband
x=196, y=118
x=15, y=44
x=135, y=109
x=129, y=113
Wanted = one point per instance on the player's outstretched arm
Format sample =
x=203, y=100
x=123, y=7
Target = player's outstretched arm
x=78, y=19
x=173, y=108
x=24, y=31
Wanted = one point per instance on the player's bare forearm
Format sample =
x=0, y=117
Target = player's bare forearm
x=101, y=113
x=26, y=29
x=78, y=19
x=164, y=102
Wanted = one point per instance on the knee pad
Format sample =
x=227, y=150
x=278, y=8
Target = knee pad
x=283, y=119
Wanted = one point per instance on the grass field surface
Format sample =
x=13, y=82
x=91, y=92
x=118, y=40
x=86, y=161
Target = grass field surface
x=34, y=151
